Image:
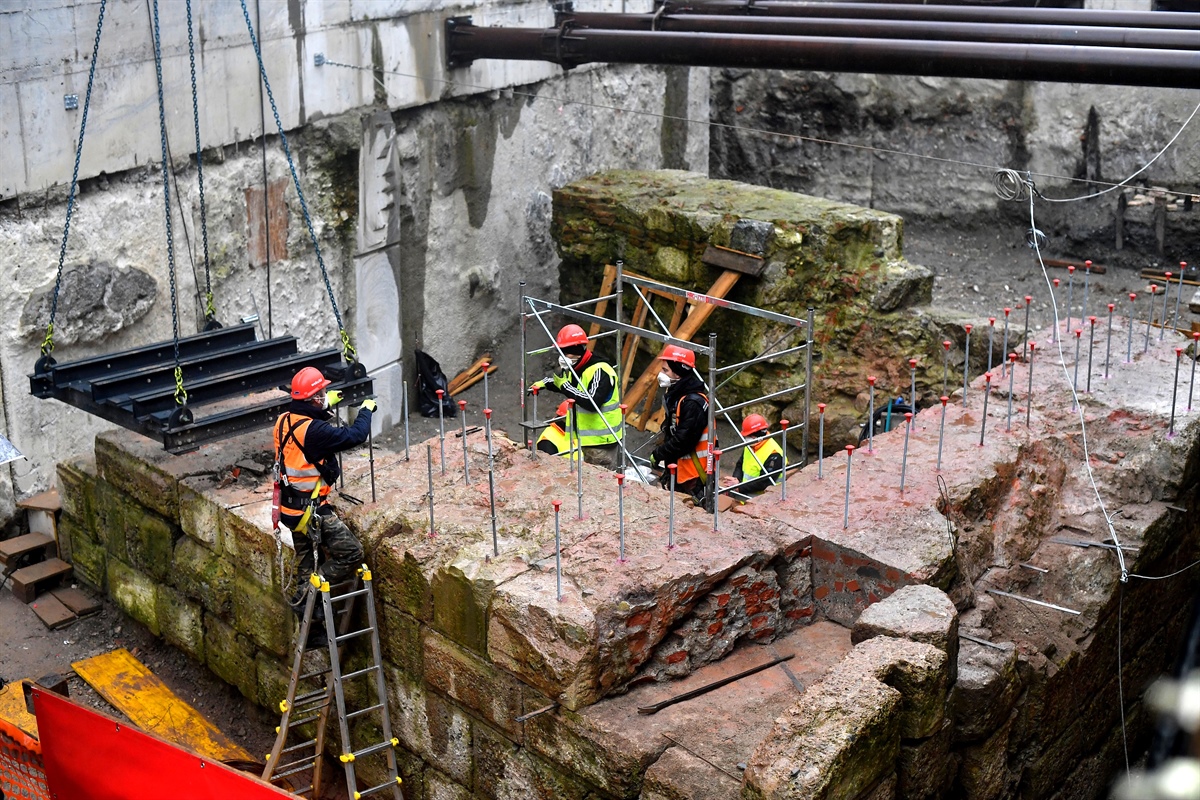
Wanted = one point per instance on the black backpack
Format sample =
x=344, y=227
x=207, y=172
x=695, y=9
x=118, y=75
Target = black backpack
x=430, y=378
x=887, y=417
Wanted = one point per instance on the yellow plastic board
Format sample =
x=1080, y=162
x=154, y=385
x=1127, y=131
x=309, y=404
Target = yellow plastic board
x=12, y=709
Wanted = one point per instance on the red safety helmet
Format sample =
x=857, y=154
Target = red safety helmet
x=563, y=408
x=571, y=336
x=680, y=355
x=307, y=383
x=753, y=423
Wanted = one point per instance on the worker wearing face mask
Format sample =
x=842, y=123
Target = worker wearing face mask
x=591, y=382
x=685, y=430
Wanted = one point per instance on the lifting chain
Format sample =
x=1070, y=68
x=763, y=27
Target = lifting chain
x=48, y=342
x=347, y=349
x=210, y=310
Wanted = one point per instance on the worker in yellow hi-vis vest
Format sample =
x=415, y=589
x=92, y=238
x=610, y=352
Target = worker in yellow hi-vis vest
x=555, y=440
x=761, y=464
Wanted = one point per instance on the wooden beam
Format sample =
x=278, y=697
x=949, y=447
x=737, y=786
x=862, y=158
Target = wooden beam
x=727, y=258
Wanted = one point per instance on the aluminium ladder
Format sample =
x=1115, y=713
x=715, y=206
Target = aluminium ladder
x=313, y=707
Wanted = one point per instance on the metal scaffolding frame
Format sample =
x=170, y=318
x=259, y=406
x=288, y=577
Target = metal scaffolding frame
x=537, y=309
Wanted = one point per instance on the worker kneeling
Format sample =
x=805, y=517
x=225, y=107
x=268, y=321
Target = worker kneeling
x=305, y=446
x=591, y=382
x=685, y=429
x=555, y=440
x=761, y=464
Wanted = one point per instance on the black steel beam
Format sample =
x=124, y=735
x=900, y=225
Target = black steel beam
x=1097, y=36
x=941, y=13
x=570, y=47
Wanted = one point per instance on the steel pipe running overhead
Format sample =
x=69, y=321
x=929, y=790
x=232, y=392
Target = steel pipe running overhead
x=570, y=46
x=892, y=29
x=938, y=13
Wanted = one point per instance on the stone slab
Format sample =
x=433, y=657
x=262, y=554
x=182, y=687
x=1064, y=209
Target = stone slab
x=53, y=612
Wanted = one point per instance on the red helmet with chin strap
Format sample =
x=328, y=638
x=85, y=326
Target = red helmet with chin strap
x=679, y=355
x=571, y=336
x=307, y=383
x=753, y=423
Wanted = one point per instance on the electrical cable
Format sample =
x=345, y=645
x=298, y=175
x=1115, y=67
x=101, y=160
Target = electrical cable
x=1164, y=577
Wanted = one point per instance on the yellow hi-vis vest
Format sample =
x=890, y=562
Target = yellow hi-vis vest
x=751, y=468
x=557, y=437
x=589, y=426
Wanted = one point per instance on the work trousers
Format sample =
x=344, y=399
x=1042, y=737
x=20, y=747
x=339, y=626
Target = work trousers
x=343, y=552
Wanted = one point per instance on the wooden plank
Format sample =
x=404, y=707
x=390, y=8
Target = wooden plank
x=606, y=287
x=141, y=695
x=474, y=379
x=78, y=601
x=28, y=581
x=53, y=613
x=46, y=501
x=11, y=549
x=454, y=387
x=1160, y=275
x=727, y=258
x=629, y=351
x=1097, y=269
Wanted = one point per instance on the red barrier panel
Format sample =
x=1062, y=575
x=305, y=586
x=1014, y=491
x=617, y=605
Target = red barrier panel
x=90, y=755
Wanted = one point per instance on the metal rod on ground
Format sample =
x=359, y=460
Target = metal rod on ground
x=624, y=463
x=406, y=420
x=429, y=471
x=371, y=461
x=717, y=684
x=485, y=367
x=904, y=461
x=1174, y=391
x=1031, y=600
x=1054, y=295
x=487, y=417
x=808, y=351
x=821, y=437
x=991, y=336
x=849, y=461
x=530, y=440
x=672, y=468
x=578, y=469
x=942, y=431
x=1029, y=399
x=1087, y=280
x=570, y=423
x=966, y=365
x=462, y=413
x=1012, y=369
x=945, y=364
x=1129, y=343
x=1070, y=292
x=621, y=515
x=987, y=390
x=441, y=428
x=1004, y=347
x=912, y=366
x=1108, y=347
x=1028, y=303
x=536, y=713
x=557, y=552
x=783, y=426
x=871, y=415
x=1149, y=315
x=1179, y=294
x=536, y=429
x=1162, y=330
x=1091, y=347
x=1078, y=340
x=716, y=461
x=1195, y=355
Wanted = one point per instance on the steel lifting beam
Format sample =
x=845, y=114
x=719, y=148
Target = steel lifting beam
x=571, y=46
x=1018, y=33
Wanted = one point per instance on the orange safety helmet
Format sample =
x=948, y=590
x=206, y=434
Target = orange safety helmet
x=307, y=383
x=563, y=408
x=753, y=423
x=680, y=355
x=571, y=336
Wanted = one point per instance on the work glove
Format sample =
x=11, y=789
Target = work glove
x=333, y=398
x=369, y=404
x=560, y=381
x=655, y=463
x=539, y=385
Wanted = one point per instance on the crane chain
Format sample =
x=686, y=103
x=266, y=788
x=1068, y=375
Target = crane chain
x=210, y=311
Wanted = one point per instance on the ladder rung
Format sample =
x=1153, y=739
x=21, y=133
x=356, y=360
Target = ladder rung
x=304, y=698
x=314, y=674
x=374, y=789
x=295, y=747
x=304, y=765
x=353, y=634
x=348, y=595
x=363, y=671
x=310, y=709
x=295, y=723
x=372, y=750
x=303, y=790
x=359, y=713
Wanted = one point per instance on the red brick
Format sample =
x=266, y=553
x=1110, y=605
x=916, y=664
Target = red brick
x=677, y=656
x=715, y=628
x=852, y=586
x=893, y=575
x=874, y=598
x=637, y=644
x=722, y=600
x=806, y=552
x=739, y=580
x=821, y=592
x=883, y=587
x=838, y=586
x=759, y=621
x=824, y=553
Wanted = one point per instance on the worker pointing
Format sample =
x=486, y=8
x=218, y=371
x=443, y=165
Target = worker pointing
x=762, y=459
x=305, y=445
x=591, y=382
x=685, y=430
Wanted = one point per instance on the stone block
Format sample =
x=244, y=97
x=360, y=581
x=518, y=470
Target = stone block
x=415, y=776
x=926, y=768
x=507, y=771
x=230, y=656
x=150, y=542
x=127, y=461
x=440, y=787
x=903, y=285
x=462, y=591
x=984, y=771
x=88, y=557
x=885, y=789
x=134, y=593
x=919, y=613
x=679, y=775
x=113, y=508
x=431, y=726
x=272, y=678
x=472, y=682
x=76, y=489
x=846, y=582
x=401, y=581
x=920, y=672
x=602, y=755
x=987, y=687
x=401, y=639
x=181, y=621
x=548, y=643
x=246, y=538
x=203, y=575
x=199, y=513
x=261, y=613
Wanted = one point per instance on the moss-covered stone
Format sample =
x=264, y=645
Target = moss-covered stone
x=473, y=683
x=230, y=656
x=260, y=613
x=431, y=726
x=181, y=621
x=400, y=637
x=203, y=575
x=462, y=593
x=401, y=582
x=503, y=769
x=273, y=679
x=134, y=593
x=199, y=512
x=76, y=489
x=112, y=510
x=119, y=461
x=150, y=542
x=88, y=557
x=251, y=546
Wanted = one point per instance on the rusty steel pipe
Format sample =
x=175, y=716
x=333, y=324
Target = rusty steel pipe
x=1097, y=36
x=940, y=13
x=570, y=47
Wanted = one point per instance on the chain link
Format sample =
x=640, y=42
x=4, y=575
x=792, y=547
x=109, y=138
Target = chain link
x=210, y=312
x=48, y=342
x=347, y=349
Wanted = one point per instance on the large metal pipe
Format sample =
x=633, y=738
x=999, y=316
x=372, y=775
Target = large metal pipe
x=941, y=13
x=893, y=29
x=571, y=47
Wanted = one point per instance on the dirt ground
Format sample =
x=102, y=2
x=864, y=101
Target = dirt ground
x=979, y=268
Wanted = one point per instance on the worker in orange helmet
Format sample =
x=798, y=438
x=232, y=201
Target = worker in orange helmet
x=591, y=382
x=762, y=460
x=306, y=470
x=555, y=440
x=685, y=429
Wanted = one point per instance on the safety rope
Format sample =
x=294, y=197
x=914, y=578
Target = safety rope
x=48, y=341
x=347, y=349
x=210, y=311
x=180, y=394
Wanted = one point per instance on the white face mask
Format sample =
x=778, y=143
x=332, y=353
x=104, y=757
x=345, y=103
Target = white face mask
x=664, y=380
x=324, y=404
x=565, y=362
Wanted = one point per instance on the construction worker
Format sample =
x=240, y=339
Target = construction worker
x=555, y=440
x=305, y=445
x=762, y=460
x=685, y=430
x=591, y=382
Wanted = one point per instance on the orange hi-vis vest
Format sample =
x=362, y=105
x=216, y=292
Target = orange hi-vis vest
x=687, y=466
x=298, y=476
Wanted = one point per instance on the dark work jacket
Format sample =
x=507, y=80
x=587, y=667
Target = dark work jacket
x=681, y=435
x=322, y=441
x=590, y=397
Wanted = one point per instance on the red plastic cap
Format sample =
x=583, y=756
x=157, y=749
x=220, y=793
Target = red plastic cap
x=849, y=448
x=487, y=413
x=944, y=399
x=716, y=454
x=1012, y=356
x=871, y=379
x=571, y=336
x=1028, y=299
x=991, y=320
x=783, y=424
x=462, y=403
x=1032, y=346
x=1092, y=320
x=620, y=479
x=570, y=403
x=1111, y=306
x=1078, y=332
x=908, y=416
x=533, y=389
x=1132, y=296
x=623, y=408
x=1071, y=268
x=1178, y=352
x=1183, y=265
x=1168, y=274
x=987, y=376
x=1196, y=336
x=1007, y=311
x=485, y=365
x=969, y=328
x=821, y=406
x=1087, y=264
x=439, y=393
x=912, y=363
x=946, y=344
x=672, y=468
x=556, y=504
